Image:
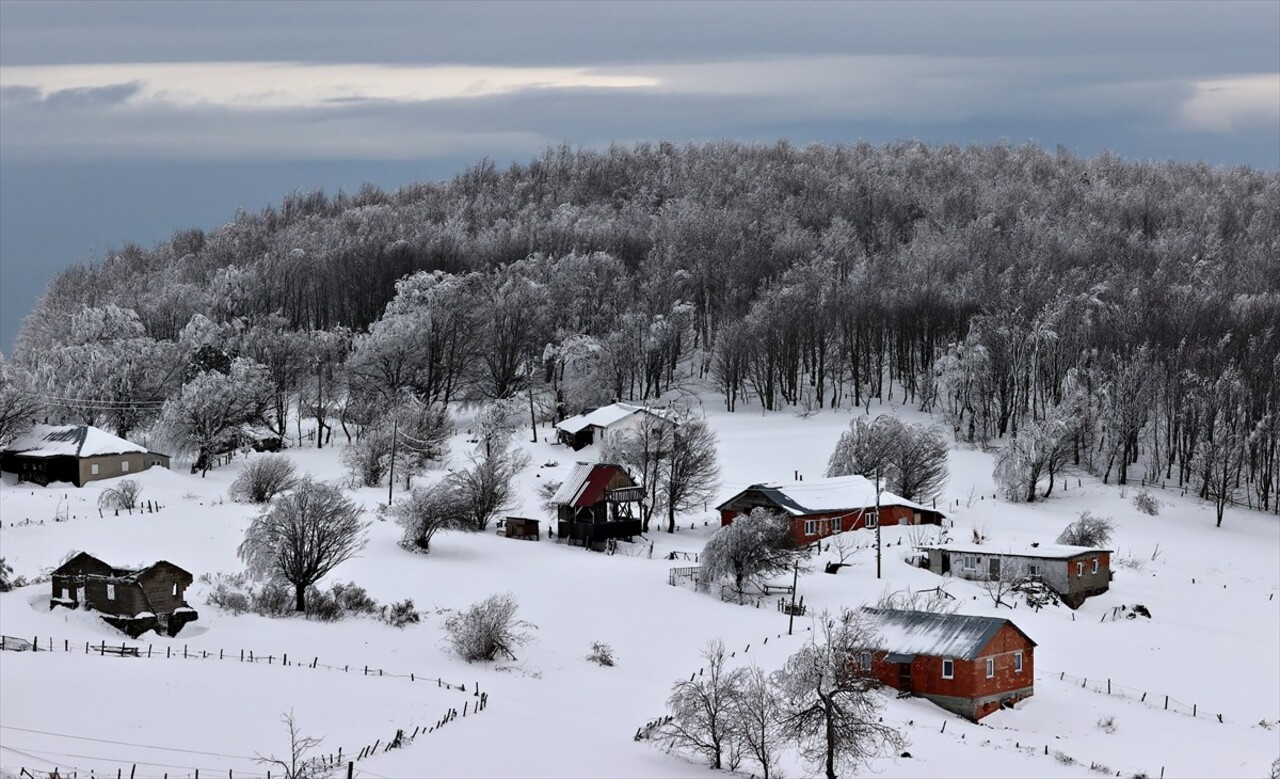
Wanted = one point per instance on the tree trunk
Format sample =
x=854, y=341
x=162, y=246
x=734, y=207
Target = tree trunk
x=831, y=739
x=671, y=519
x=299, y=597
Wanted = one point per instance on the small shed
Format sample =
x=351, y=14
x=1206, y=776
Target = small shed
x=133, y=600
x=522, y=527
x=966, y=664
x=589, y=427
x=822, y=507
x=595, y=504
x=76, y=454
x=1075, y=573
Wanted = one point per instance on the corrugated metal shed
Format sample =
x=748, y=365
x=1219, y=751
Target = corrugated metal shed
x=940, y=635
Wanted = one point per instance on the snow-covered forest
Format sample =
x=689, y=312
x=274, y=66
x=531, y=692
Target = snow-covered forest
x=1115, y=316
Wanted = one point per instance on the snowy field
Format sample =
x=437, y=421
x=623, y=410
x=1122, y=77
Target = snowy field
x=1211, y=643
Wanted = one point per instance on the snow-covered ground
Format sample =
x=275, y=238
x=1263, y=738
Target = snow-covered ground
x=1212, y=641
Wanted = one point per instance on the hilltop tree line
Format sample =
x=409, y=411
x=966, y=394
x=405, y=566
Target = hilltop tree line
x=1098, y=314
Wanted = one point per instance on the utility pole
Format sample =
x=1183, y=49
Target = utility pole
x=878, y=547
x=795, y=580
x=391, y=480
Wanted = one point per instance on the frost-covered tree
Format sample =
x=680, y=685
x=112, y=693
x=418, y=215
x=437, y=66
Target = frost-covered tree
x=19, y=404
x=488, y=628
x=757, y=712
x=263, y=478
x=1221, y=452
x=1039, y=449
x=911, y=458
x=302, y=536
x=496, y=422
x=284, y=353
x=1088, y=530
x=211, y=409
x=689, y=474
x=426, y=511
x=830, y=703
x=486, y=488
x=702, y=708
x=644, y=450
x=749, y=550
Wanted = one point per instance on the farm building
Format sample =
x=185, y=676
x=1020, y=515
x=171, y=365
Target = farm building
x=967, y=665
x=1073, y=572
x=821, y=507
x=132, y=600
x=588, y=428
x=76, y=454
x=594, y=504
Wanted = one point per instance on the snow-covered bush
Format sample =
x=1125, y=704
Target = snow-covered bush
x=938, y=601
x=6, y=571
x=1088, y=530
x=1145, y=502
x=397, y=615
x=1107, y=724
x=323, y=606
x=264, y=478
x=488, y=628
x=271, y=600
x=354, y=599
x=425, y=511
x=123, y=496
x=601, y=654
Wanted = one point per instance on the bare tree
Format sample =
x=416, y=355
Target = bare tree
x=702, y=708
x=749, y=550
x=424, y=512
x=487, y=488
x=263, y=478
x=302, y=536
x=912, y=457
x=488, y=628
x=756, y=712
x=1088, y=530
x=1008, y=579
x=830, y=702
x=298, y=765
x=690, y=475
x=937, y=601
x=644, y=450
x=123, y=496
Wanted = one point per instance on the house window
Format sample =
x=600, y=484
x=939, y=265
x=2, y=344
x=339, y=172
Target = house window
x=1080, y=569
x=111, y=592
x=810, y=527
x=175, y=590
x=93, y=469
x=124, y=466
x=1033, y=569
x=873, y=519
x=1017, y=662
x=866, y=661
x=991, y=667
x=1095, y=565
x=970, y=563
x=948, y=668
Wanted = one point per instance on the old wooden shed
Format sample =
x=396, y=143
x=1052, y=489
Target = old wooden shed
x=134, y=600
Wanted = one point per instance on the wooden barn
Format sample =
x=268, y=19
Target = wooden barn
x=76, y=454
x=132, y=600
x=590, y=427
x=595, y=504
x=1073, y=572
x=822, y=507
x=968, y=665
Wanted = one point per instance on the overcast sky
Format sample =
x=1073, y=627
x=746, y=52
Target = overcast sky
x=125, y=121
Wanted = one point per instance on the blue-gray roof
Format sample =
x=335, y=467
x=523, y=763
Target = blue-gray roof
x=940, y=635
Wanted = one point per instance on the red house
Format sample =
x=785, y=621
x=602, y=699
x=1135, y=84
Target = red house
x=822, y=507
x=594, y=504
x=968, y=665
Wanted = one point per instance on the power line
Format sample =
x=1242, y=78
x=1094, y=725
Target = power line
x=124, y=761
x=124, y=743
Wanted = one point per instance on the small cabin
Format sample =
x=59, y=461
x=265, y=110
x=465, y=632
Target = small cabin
x=590, y=427
x=521, y=527
x=134, y=600
x=77, y=454
x=968, y=665
x=822, y=507
x=596, y=503
x=1075, y=573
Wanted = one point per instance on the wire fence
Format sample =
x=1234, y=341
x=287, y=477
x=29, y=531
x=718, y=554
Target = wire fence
x=1151, y=700
x=68, y=765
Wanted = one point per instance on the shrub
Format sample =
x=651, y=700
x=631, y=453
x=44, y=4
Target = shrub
x=1088, y=530
x=601, y=653
x=273, y=600
x=323, y=606
x=397, y=615
x=354, y=599
x=1107, y=724
x=1145, y=502
x=488, y=628
x=230, y=592
x=123, y=496
x=6, y=571
x=264, y=478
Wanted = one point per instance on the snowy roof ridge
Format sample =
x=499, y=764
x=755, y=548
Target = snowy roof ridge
x=937, y=634
x=604, y=416
x=1047, y=551
x=831, y=493
x=71, y=441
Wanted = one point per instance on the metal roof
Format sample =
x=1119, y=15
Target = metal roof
x=1041, y=552
x=586, y=484
x=70, y=441
x=822, y=496
x=940, y=635
x=605, y=416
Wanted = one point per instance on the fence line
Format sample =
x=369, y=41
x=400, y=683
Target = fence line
x=1151, y=700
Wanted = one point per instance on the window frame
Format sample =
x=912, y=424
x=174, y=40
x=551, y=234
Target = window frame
x=991, y=668
x=948, y=668
x=111, y=591
x=1095, y=565
x=811, y=527
x=969, y=562
x=93, y=469
x=1017, y=662
x=1080, y=568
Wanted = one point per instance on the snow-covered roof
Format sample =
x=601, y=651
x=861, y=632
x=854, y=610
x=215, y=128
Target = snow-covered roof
x=572, y=484
x=70, y=441
x=819, y=496
x=605, y=416
x=587, y=484
x=1044, y=551
x=940, y=635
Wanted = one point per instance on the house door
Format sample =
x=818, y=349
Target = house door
x=993, y=566
x=904, y=677
x=946, y=563
x=77, y=595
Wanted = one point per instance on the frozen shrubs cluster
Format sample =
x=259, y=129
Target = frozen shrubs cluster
x=1088, y=530
x=263, y=479
x=601, y=654
x=487, y=629
x=1145, y=502
x=239, y=594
